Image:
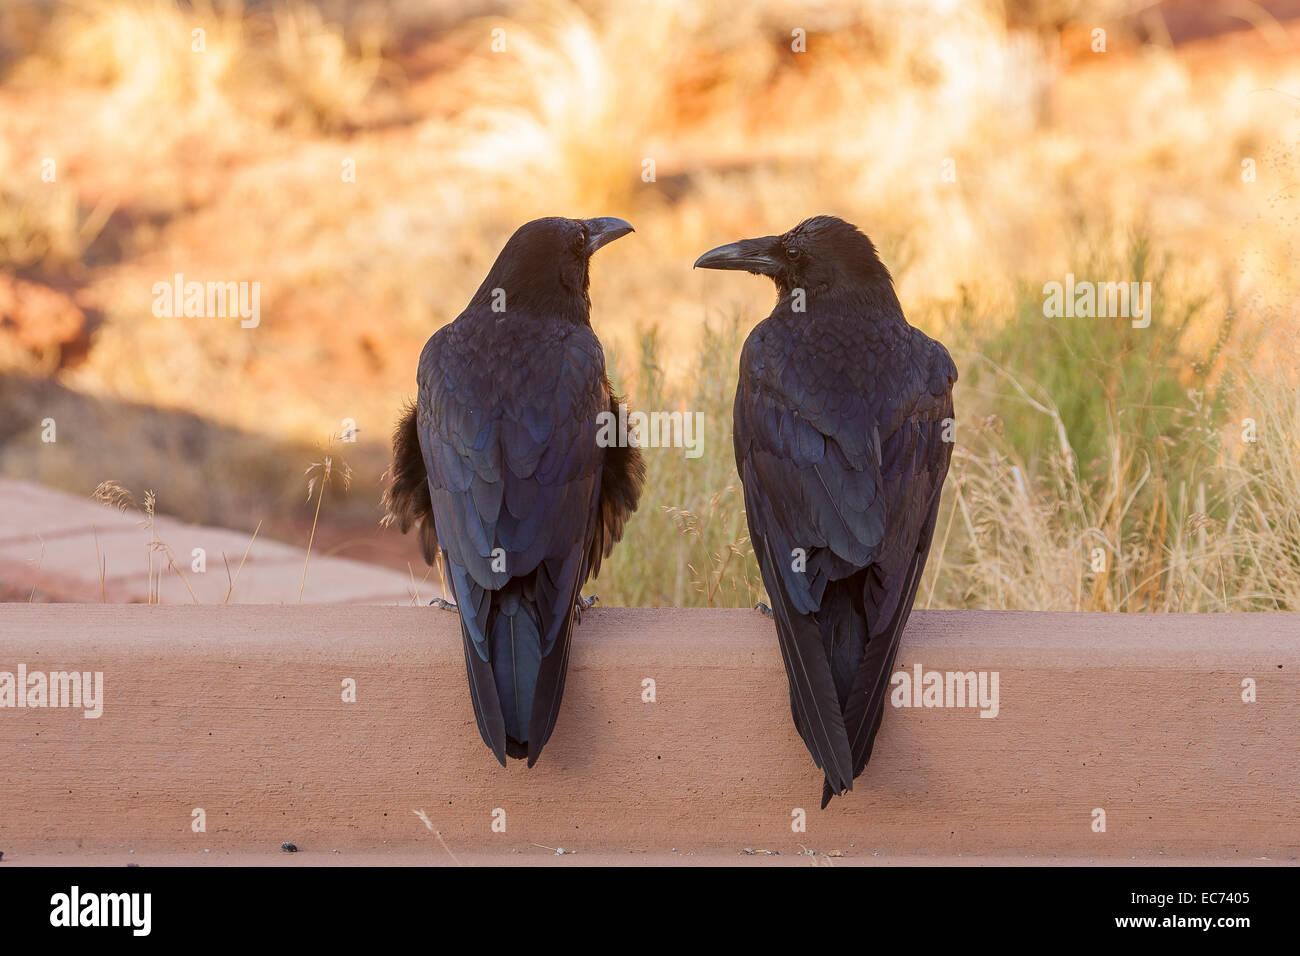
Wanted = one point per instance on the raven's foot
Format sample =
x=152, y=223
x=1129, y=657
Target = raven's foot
x=763, y=609
x=583, y=604
x=442, y=605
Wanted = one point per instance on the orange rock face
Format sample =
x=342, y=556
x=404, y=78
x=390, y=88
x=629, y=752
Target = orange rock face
x=42, y=323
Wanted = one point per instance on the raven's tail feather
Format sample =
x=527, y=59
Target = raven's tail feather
x=550, y=690
x=867, y=703
x=524, y=679
x=842, y=621
x=483, y=695
x=813, y=701
x=514, y=631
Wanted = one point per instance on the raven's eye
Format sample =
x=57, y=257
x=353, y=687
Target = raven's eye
x=792, y=253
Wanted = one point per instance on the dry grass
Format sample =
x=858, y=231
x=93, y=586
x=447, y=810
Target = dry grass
x=319, y=475
x=41, y=228
x=207, y=64
x=115, y=495
x=1215, y=532
x=687, y=546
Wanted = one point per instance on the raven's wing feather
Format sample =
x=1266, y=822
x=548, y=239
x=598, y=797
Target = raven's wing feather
x=621, y=479
x=839, y=448
x=406, y=495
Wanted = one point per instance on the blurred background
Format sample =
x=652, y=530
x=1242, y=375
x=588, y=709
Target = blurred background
x=364, y=162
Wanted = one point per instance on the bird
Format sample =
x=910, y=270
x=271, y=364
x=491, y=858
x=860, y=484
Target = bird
x=842, y=426
x=497, y=462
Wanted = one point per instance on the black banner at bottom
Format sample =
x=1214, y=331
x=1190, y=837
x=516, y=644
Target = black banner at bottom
x=333, y=904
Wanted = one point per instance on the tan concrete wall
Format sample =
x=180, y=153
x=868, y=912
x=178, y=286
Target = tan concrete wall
x=238, y=710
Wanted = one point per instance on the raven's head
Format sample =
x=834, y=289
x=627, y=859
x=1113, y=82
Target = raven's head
x=546, y=261
x=823, y=252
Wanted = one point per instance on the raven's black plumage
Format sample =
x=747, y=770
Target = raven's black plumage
x=497, y=462
x=839, y=421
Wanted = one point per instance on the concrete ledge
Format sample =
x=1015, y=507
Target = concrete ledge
x=238, y=710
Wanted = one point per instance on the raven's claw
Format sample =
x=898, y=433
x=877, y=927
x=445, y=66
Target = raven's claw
x=583, y=604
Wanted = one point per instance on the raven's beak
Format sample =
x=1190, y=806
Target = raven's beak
x=749, y=255
x=604, y=230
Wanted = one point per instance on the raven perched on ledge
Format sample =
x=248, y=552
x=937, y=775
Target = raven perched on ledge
x=497, y=463
x=842, y=433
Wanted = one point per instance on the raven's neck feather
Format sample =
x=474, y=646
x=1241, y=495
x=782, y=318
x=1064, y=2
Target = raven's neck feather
x=535, y=290
x=874, y=301
x=560, y=304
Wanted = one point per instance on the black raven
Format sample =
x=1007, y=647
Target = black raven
x=498, y=463
x=842, y=437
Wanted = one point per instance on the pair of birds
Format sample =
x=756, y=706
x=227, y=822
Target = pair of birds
x=840, y=419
